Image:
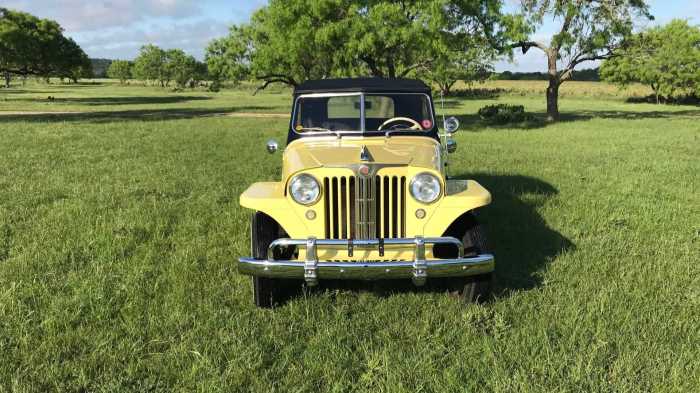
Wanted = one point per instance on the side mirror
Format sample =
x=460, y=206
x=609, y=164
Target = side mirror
x=451, y=125
x=451, y=146
x=272, y=146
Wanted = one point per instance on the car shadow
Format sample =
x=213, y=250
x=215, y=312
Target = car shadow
x=521, y=240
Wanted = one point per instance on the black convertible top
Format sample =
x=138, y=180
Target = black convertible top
x=362, y=85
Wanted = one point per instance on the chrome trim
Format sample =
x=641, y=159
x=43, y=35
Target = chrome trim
x=364, y=154
x=420, y=267
x=365, y=207
x=311, y=270
x=310, y=265
x=461, y=267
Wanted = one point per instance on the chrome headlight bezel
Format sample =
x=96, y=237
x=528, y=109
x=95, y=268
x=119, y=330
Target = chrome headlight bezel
x=419, y=177
x=293, y=188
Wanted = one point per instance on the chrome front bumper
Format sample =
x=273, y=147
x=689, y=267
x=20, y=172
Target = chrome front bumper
x=311, y=270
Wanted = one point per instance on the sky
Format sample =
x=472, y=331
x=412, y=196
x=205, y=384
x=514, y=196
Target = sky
x=116, y=29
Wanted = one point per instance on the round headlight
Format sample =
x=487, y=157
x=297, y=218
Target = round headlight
x=425, y=187
x=304, y=189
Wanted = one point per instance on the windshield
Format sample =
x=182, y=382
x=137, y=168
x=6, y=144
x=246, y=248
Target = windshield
x=357, y=112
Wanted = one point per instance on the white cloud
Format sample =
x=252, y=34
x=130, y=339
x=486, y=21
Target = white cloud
x=81, y=15
x=124, y=42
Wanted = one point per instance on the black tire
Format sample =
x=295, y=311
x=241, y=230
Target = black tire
x=269, y=292
x=471, y=289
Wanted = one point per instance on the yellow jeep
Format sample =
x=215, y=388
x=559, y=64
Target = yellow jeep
x=364, y=195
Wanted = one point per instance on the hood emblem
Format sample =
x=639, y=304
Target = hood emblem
x=364, y=154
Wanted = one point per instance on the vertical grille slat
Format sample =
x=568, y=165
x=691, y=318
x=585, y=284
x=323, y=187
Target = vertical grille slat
x=344, y=207
x=358, y=207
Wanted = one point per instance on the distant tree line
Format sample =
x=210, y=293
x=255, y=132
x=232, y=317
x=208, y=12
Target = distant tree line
x=588, y=75
x=160, y=67
x=99, y=67
x=30, y=46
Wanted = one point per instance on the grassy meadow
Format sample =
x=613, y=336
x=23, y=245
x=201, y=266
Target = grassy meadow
x=120, y=228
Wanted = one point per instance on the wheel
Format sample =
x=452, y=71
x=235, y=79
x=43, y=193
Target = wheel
x=473, y=288
x=269, y=292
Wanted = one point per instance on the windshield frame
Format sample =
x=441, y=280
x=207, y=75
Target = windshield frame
x=363, y=114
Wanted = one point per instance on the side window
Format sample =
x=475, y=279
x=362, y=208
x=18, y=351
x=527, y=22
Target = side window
x=344, y=107
x=379, y=107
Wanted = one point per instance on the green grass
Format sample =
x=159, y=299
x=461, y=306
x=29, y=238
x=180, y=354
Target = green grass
x=119, y=232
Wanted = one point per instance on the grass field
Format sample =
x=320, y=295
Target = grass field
x=120, y=226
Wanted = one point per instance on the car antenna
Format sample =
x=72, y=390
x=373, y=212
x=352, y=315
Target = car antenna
x=443, y=137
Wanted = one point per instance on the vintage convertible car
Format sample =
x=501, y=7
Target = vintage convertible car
x=364, y=195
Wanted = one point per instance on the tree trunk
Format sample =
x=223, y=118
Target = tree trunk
x=553, y=88
x=8, y=78
x=391, y=68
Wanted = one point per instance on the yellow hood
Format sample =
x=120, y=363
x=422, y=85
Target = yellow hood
x=307, y=153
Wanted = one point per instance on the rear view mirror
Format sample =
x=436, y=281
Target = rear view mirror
x=451, y=125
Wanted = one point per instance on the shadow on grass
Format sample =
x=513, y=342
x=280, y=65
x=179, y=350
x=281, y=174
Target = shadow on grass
x=520, y=238
x=472, y=122
x=136, y=100
x=112, y=116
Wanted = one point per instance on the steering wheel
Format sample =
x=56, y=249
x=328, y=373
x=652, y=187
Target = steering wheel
x=414, y=125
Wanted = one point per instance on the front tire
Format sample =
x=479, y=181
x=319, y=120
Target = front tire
x=473, y=289
x=269, y=292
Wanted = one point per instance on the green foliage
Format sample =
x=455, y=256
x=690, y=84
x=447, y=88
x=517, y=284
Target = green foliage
x=666, y=58
x=181, y=67
x=33, y=46
x=504, y=114
x=121, y=70
x=471, y=65
x=160, y=66
x=150, y=65
x=227, y=58
x=292, y=41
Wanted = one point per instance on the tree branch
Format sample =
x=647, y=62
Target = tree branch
x=578, y=59
x=526, y=45
x=414, y=66
x=274, y=78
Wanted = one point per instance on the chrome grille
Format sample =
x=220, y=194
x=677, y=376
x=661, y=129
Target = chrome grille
x=358, y=207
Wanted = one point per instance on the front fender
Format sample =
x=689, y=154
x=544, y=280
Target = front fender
x=269, y=198
x=453, y=206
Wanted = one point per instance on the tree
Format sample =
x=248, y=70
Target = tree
x=588, y=30
x=665, y=58
x=469, y=66
x=228, y=58
x=150, y=65
x=33, y=46
x=120, y=69
x=295, y=40
x=181, y=67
